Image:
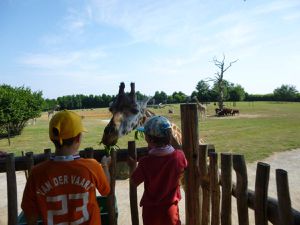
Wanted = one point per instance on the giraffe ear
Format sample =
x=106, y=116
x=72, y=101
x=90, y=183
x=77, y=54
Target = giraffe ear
x=145, y=102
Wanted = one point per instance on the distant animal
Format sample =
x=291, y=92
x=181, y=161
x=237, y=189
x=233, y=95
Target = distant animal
x=201, y=107
x=235, y=111
x=52, y=111
x=226, y=112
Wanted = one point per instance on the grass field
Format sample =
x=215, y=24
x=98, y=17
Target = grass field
x=261, y=129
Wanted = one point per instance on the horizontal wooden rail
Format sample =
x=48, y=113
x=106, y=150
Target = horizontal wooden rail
x=272, y=207
x=21, y=162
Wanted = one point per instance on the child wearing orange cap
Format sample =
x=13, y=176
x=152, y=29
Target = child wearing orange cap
x=62, y=189
x=160, y=171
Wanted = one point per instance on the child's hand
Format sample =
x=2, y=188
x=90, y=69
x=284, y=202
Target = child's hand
x=105, y=161
x=131, y=162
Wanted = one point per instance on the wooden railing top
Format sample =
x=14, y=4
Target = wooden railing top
x=21, y=162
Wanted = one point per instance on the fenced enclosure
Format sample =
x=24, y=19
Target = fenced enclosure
x=208, y=182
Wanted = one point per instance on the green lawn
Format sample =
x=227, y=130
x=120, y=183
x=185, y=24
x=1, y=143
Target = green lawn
x=261, y=129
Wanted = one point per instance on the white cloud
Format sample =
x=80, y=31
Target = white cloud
x=72, y=27
x=166, y=22
x=292, y=16
x=186, y=34
x=61, y=59
x=237, y=35
x=276, y=6
x=77, y=20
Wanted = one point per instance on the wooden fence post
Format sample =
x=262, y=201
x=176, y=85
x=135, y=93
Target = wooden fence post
x=284, y=200
x=89, y=152
x=215, y=188
x=111, y=198
x=25, y=171
x=132, y=189
x=261, y=193
x=12, y=200
x=240, y=168
x=29, y=161
x=190, y=146
x=226, y=181
x=47, y=153
x=204, y=181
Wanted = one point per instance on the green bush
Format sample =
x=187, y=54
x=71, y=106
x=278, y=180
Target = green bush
x=17, y=106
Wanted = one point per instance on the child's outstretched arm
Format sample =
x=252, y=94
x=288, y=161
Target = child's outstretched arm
x=105, y=162
x=132, y=165
x=137, y=175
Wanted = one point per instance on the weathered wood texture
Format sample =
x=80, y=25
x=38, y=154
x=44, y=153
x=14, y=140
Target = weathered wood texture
x=132, y=188
x=89, y=153
x=111, y=198
x=275, y=208
x=21, y=161
x=204, y=181
x=284, y=201
x=12, y=200
x=226, y=181
x=215, y=188
x=47, y=153
x=261, y=193
x=190, y=146
x=29, y=161
x=240, y=168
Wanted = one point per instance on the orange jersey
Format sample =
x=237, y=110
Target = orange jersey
x=63, y=192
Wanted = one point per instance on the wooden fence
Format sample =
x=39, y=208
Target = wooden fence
x=208, y=188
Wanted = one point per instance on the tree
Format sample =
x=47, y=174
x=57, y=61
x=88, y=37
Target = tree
x=219, y=79
x=160, y=97
x=140, y=96
x=179, y=97
x=17, y=106
x=215, y=91
x=285, y=93
x=202, y=91
x=49, y=104
x=236, y=93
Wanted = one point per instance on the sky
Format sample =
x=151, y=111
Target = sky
x=66, y=47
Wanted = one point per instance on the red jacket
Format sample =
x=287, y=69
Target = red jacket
x=160, y=175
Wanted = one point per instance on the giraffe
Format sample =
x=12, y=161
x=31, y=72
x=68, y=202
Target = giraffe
x=52, y=111
x=128, y=114
x=201, y=108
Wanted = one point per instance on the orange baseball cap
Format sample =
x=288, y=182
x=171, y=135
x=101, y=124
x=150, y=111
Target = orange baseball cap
x=65, y=125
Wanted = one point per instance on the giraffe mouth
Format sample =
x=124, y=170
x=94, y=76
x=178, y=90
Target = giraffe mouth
x=111, y=135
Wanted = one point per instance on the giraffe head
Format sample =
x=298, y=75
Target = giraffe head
x=127, y=114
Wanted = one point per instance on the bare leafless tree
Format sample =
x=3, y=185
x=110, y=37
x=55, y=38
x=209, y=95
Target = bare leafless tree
x=218, y=78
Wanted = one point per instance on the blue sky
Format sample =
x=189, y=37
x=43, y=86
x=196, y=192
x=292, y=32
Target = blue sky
x=64, y=47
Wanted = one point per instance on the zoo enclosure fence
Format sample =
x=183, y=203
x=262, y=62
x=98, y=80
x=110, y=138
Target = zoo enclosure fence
x=208, y=188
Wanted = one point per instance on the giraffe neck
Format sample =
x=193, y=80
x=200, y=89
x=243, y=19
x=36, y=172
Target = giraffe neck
x=176, y=139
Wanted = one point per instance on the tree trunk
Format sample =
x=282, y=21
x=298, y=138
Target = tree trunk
x=8, y=134
x=221, y=98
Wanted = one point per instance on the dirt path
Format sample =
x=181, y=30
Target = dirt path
x=288, y=160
